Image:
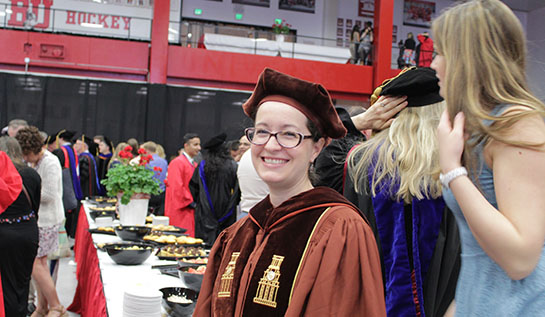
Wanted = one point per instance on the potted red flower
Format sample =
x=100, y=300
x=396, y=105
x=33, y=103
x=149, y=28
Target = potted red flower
x=132, y=184
x=280, y=29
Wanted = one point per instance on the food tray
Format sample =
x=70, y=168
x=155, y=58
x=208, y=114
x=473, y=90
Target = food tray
x=178, y=229
x=176, y=257
x=102, y=207
x=175, y=241
x=112, y=233
x=171, y=269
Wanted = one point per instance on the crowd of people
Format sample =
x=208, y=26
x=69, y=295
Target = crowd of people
x=438, y=211
x=411, y=54
x=31, y=224
x=361, y=44
x=61, y=169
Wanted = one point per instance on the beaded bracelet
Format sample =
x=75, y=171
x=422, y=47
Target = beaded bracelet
x=18, y=219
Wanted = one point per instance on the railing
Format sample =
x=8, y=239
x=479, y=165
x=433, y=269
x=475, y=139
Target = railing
x=191, y=33
x=250, y=40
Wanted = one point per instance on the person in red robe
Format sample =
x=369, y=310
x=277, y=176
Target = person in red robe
x=302, y=251
x=179, y=205
x=426, y=50
x=11, y=183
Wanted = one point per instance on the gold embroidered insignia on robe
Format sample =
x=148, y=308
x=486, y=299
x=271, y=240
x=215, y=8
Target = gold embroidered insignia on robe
x=227, y=276
x=269, y=284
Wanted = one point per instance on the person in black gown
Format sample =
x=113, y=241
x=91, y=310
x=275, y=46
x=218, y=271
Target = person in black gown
x=86, y=150
x=105, y=148
x=214, y=187
x=18, y=231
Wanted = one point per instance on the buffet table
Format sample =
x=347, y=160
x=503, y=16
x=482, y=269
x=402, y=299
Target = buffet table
x=102, y=282
x=237, y=44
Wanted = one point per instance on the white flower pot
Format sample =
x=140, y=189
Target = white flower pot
x=280, y=37
x=134, y=213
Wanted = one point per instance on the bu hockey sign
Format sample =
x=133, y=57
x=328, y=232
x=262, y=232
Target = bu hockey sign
x=89, y=18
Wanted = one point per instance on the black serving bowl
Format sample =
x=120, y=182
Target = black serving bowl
x=177, y=309
x=122, y=254
x=132, y=233
x=102, y=213
x=191, y=280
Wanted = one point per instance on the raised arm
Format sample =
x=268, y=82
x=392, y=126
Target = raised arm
x=512, y=235
x=380, y=115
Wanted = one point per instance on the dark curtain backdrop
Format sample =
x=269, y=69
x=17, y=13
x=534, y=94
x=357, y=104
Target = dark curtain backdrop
x=147, y=112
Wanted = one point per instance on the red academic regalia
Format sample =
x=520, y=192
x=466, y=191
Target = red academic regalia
x=426, y=51
x=314, y=255
x=11, y=183
x=178, y=196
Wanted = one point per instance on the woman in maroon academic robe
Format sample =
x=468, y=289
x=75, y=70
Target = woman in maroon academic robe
x=302, y=251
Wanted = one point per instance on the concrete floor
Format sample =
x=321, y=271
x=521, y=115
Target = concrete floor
x=66, y=282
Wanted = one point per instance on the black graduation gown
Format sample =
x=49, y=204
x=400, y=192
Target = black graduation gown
x=224, y=195
x=329, y=165
x=439, y=285
x=88, y=176
x=19, y=245
x=102, y=165
x=60, y=155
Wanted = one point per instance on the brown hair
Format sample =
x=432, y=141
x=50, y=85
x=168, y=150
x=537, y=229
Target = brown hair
x=149, y=146
x=30, y=140
x=13, y=150
x=134, y=144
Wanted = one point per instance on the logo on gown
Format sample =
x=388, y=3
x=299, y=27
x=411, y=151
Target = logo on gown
x=227, y=276
x=269, y=284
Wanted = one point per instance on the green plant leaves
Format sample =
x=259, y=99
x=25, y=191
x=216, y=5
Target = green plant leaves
x=130, y=179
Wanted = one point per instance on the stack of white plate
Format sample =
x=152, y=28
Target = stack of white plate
x=142, y=302
x=160, y=220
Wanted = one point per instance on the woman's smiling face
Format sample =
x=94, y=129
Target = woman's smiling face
x=280, y=167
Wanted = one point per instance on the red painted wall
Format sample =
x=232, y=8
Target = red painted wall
x=120, y=59
x=73, y=55
x=384, y=15
x=159, y=42
x=240, y=71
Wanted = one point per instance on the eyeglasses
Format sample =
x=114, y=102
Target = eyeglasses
x=286, y=139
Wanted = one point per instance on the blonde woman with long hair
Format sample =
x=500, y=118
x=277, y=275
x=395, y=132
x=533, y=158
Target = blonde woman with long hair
x=393, y=175
x=493, y=131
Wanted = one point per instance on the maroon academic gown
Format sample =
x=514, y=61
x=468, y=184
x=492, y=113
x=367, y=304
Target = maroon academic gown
x=177, y=195
x=314, y=255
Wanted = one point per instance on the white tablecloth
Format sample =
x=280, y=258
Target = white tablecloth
x=118, y=278
x=228, y=43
